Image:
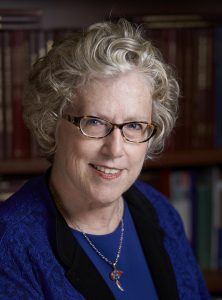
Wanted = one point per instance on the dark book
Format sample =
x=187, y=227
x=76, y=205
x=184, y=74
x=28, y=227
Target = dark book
x=219, y=265
x=20, y=12
x=187, y=82
x=20, y=63
x=204, y=220
x=6, y=93
x=14, y=19
x=33, y=56
x=217, y=63
x=217, y=219
x=180, y=196
x=201, y=113
x=180, y=133
x=19, y=26
x=1, y=102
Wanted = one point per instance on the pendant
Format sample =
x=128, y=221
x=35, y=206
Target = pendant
x=115, y=276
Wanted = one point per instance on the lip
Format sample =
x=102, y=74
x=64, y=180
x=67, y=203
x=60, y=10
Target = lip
x=107, y=176
x=105, y=166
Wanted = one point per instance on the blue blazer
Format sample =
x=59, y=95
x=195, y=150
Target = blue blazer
x=41, y=259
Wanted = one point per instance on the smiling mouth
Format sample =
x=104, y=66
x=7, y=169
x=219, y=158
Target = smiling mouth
x=106, y=170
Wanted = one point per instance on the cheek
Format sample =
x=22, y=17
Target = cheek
x=137, y=157
x=81, y=152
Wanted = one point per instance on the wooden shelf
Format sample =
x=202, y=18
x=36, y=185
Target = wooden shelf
x=27, y=166
x=214, y=281
x=192, y=158
x=166, y=160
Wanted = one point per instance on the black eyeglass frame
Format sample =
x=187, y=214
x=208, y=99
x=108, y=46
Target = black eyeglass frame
x=76, y=121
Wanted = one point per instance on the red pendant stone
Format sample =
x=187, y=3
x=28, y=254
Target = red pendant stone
x=116, y=274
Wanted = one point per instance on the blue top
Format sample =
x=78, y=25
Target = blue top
x=136, y=279
x=35, y=263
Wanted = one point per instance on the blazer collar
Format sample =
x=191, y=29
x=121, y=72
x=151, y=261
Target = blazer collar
x=84, y=276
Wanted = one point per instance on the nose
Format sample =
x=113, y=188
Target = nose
x=113, y=144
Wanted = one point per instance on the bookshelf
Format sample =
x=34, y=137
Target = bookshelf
x=166, y=25
x=167, y=160
x=213, y=279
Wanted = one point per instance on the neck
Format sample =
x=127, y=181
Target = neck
x=92, y=219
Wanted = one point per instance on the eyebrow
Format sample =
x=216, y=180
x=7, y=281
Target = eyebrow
x=130, y=119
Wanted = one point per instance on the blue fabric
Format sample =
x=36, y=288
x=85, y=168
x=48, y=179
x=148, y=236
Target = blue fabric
x=29, y=268
x=132, y=260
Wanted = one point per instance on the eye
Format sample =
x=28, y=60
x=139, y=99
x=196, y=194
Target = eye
x=94, y=122
x=134, y=126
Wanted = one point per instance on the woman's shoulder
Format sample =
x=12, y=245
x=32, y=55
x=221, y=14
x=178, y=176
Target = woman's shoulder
x=154, y=196
x=22, y=208
x=168, y=216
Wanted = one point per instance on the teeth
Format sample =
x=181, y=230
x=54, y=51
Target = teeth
x=106, y=170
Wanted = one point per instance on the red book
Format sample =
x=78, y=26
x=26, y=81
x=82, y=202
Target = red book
x=187, y=89
x=6, y=94
x=1, y=103
x=20, y=69
x=202, y=109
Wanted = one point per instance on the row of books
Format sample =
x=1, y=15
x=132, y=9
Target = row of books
x=192, y=45
x=197, y=196
x=195, y=53
x=14, y=19
x=19, y=49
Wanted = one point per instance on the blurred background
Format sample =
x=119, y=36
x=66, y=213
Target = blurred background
x=189, y=34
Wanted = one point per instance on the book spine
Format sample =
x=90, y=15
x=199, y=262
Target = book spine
x=180, y=192
x=1, y=102
x=20, y=54
x=218, y=87
x=7, y=89
x=219, y=248
x=185, y=119
x=199, y=125
x=217, y=222
x=204, y=223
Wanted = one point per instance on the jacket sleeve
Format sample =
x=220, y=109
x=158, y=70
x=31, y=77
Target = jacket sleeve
x=17, y=276
x=190, y=281
x=189, y=276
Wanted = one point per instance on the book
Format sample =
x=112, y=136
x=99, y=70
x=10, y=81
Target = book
x=20, y=63
x=204, y=221
x=184, y=129
x=14, y=19
x=217, y=64
x=180, y=197
x=216, y=260
x=33, y=56
x=6, y=92
x=201, y=115
x=1, y=102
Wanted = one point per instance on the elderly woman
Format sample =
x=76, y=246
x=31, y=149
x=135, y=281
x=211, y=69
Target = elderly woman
x=99, y=103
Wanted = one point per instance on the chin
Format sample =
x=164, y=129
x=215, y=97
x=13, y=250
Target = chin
x=109, y=194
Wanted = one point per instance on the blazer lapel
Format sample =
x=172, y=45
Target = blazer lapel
x=84, y=276
x=152, y=239
x=80, y=271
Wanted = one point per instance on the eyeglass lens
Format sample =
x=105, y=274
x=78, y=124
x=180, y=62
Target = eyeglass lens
x=98, y=128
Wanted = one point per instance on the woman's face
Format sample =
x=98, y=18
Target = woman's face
x=98, y=171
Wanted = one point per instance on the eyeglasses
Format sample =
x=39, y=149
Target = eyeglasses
x=97, y=128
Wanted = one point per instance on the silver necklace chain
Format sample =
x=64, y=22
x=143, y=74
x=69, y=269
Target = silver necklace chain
x=115, y=274
x=113, y=264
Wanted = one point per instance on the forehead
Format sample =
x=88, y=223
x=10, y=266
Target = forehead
x=125, y=96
